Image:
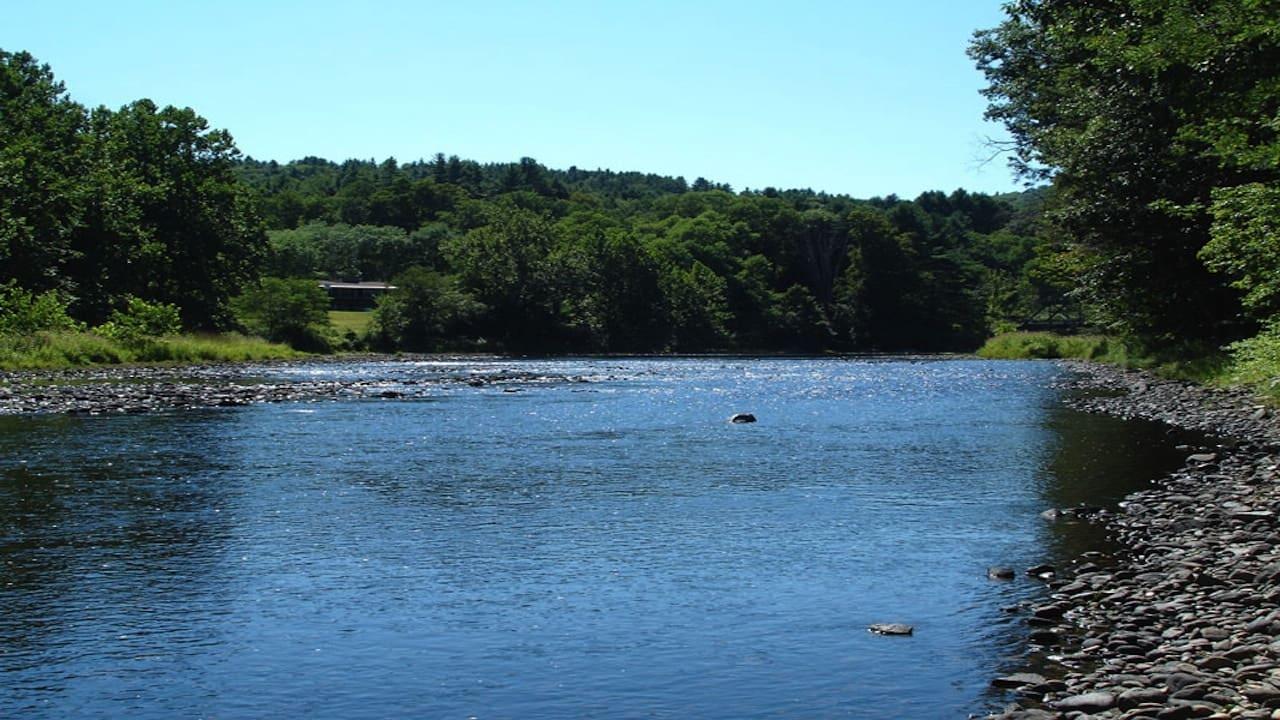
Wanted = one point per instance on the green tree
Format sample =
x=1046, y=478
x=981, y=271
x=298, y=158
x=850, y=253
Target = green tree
x=612, y=299
x=1245, y=245
x=698, y=308
x=292, y=311
x=168, y=221
x=426, y=311
x=506, y=265
x=41, y=167
x=1138, y=111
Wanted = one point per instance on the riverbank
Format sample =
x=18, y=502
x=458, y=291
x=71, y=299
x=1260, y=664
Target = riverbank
x=67, y=350
x=1183, y=623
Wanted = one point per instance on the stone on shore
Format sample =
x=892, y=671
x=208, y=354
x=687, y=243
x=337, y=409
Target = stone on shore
x=1017, y=680
x=1090, y=702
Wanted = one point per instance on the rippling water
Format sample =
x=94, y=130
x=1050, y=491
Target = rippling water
x=611, y=548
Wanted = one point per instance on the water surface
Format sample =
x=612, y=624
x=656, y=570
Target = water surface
x=610, y=548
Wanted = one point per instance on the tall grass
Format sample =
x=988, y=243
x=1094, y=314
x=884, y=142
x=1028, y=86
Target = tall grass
x=53, y=350
x=1253, y=363
x=1040, y=345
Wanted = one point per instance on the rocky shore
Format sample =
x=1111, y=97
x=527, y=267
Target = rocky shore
x=141, y=389
x=1184, y=622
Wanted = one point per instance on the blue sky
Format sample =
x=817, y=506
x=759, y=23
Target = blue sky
x=859, y=97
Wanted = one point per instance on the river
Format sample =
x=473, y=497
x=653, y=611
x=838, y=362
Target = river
x=588, y=538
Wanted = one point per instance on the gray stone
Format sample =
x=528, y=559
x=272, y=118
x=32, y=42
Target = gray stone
x=1138, y=696
x=1018, y=680
x=891, y=629
x=1090, y=702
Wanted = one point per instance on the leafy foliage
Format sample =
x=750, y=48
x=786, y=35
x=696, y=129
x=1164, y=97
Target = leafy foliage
x=286, y=310
x=141, y=320
x=426, y=311
x=1245, y=244
x=23, y=312
x=1145, y=115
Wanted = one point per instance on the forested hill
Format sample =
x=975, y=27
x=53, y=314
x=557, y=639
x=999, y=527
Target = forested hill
x=107, y=216
x=522, y=257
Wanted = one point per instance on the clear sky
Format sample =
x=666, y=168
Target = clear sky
x=850, y=96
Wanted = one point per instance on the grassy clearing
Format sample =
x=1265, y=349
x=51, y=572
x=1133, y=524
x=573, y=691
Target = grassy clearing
x=350, y=320
x=53, y=350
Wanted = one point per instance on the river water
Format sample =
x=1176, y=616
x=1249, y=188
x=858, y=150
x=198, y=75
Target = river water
x=545, y=547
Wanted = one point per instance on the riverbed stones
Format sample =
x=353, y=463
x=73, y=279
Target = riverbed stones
x=1185, y=621
x=141, y=389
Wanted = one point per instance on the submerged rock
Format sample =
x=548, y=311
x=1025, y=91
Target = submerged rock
x=1000, y=572
x=740, y=418
x=891, y=629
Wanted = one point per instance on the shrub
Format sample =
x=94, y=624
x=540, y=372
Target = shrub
x=140, y=321
x=1256, y=361
x=290, y=311
x=23, y=312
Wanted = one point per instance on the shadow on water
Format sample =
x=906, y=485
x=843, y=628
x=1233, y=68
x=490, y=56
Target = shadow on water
x=1091, y=460
x=1097, y=460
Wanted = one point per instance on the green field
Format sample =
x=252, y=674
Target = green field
x=355, y=321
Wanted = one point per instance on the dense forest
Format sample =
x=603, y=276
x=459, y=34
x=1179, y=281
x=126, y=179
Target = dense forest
x=1149, y=132
x=530, y=259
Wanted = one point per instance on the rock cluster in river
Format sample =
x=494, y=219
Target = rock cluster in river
x=1185, y=621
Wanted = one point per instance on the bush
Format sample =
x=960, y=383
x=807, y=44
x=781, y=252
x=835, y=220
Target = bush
x=23, y=312
x=1256, y=361
x=289, y=311
x=141, y=321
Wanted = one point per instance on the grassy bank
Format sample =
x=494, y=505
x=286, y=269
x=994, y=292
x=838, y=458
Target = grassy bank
x=54, y=350
x=1040, y=345
x=1252, y=363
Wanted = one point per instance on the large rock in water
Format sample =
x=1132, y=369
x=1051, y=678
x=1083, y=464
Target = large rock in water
x=740, y=418
x=891, y=629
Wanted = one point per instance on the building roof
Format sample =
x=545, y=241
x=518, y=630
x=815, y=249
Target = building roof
x=338, y=285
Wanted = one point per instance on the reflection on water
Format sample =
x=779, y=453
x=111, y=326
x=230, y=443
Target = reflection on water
x=612, y=549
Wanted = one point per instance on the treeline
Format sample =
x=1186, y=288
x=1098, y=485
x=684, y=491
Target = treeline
x=1158, y=125
x=520, y=257
x=103, y=209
